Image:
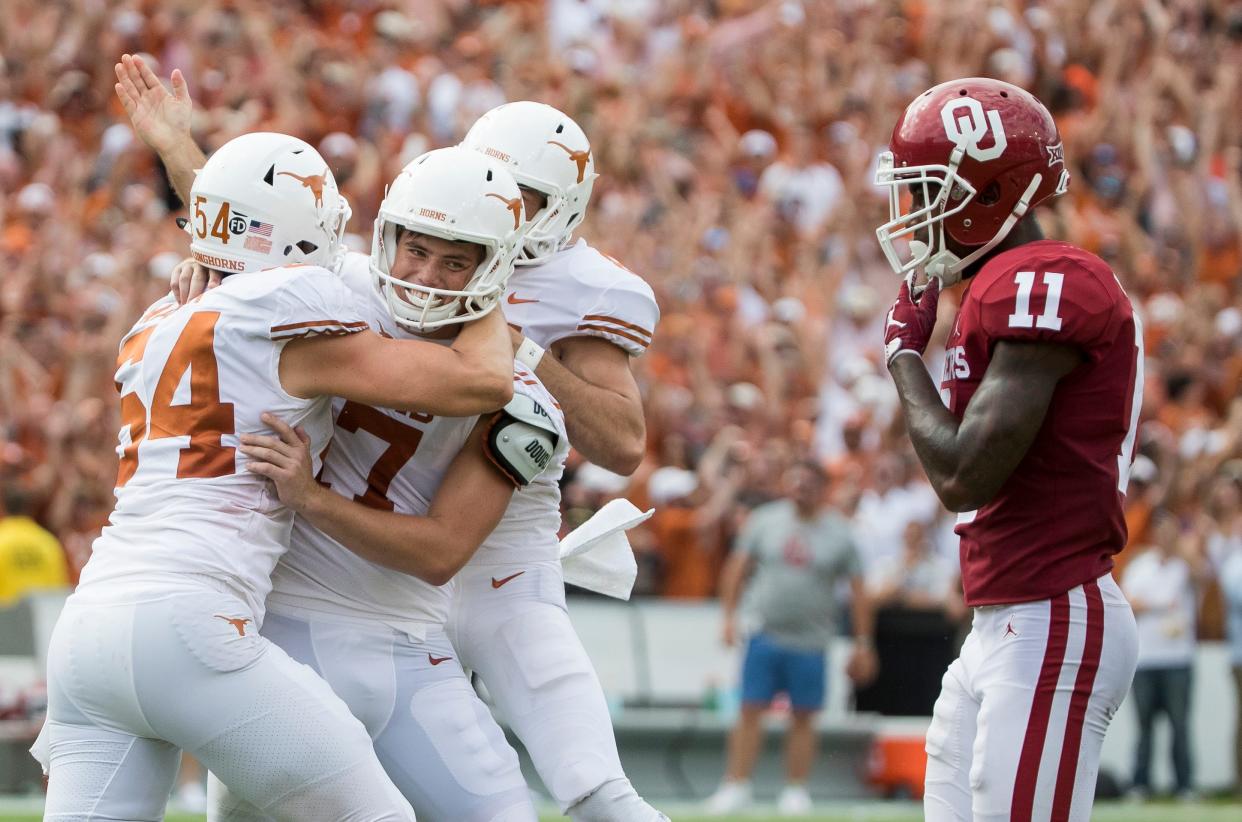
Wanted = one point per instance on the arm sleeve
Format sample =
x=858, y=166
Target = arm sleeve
x=1231, y=582
x=851, y=563
x=747, y=541
x=315, y=301
x=625, y=315
x=1057, y=301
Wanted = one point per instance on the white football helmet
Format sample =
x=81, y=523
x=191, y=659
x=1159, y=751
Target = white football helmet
x=545, y=150
x=264, y=200
x=454, y=194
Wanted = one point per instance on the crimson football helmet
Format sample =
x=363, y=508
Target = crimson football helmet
x=968, y=157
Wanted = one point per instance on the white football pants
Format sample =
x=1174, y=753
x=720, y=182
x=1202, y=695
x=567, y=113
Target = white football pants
x=510, y=624
x=129, y=684
x=1021, y=717
x=432, y=733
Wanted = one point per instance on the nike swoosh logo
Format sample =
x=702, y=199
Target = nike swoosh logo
x=514, y=299
x=496, y=583
x=436, y=661
x=897, y=323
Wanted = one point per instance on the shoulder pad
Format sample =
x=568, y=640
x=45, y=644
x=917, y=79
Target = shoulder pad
x=522, y=439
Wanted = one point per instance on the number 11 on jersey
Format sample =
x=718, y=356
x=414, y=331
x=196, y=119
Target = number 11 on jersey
x=1021, y=316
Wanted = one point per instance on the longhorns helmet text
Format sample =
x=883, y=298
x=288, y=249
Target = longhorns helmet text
x=546, y=152
x=449, y=194
x=247, y=213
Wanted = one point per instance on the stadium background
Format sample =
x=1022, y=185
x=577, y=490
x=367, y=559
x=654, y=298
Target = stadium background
x=736, y=141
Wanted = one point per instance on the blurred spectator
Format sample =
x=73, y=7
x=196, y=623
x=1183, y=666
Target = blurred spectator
x=919, y=614
x=795, y=552
x=918, y=578
x=1231, y=583
x=30, y=557
x=1160, y=584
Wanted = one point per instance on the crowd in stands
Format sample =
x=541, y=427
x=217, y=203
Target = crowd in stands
x=736, y=141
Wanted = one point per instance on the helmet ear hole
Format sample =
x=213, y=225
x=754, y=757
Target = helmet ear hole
x=990, y=194
x=306, y=247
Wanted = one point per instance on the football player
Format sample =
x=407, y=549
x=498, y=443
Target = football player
x=158, y=650
x=509, y=620
x=416, y=493
x=593, y=315
x=1029, y=438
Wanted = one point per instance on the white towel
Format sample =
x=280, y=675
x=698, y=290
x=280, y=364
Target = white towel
x=597, y=555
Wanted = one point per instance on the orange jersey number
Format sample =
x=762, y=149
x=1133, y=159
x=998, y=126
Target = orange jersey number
x=204, y=419
x=402, y=442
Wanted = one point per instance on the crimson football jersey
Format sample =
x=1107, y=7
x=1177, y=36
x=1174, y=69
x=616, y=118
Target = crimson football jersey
x=1057, y=520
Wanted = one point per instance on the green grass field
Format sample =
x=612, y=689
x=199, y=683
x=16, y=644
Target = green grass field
x=27, y=811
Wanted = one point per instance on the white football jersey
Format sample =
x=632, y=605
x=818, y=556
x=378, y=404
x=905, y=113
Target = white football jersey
x=192, y=379
x=582, y=292
x=390, y=460
x=578, y=292
x=530, y=529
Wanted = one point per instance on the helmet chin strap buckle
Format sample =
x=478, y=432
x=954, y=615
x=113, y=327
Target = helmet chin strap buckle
x=944, y=265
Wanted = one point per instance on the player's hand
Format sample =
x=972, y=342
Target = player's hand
x=161, y=119
x=910, y=321
x=863, y=665
x=728, y=632
x=284, y=459
x=190, y=279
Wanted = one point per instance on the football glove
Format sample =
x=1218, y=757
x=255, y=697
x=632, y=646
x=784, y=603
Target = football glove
x=909, y=323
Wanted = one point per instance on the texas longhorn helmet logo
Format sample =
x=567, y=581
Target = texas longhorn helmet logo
x=968, y=129
x=315, y=182
x=514, y=205
x=579, y=157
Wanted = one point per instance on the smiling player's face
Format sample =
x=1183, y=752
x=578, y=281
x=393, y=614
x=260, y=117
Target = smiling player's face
x=435, y=262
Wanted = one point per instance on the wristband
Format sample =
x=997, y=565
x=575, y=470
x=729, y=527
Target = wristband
x=529, y=354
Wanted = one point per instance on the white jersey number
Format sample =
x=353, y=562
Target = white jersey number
x=1021, y=316
x=1126, y=458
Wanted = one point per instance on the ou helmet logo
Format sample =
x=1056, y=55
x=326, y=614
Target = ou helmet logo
x=966, y=130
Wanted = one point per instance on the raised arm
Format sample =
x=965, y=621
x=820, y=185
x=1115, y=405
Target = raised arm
x=161, y=119
x=592, y=380
x=433, y=547
x=473, y=376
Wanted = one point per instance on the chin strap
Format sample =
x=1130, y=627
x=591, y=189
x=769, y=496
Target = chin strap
x=948, y=267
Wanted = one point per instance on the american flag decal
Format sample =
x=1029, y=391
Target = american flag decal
x=258, y=244
x=262, y=229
